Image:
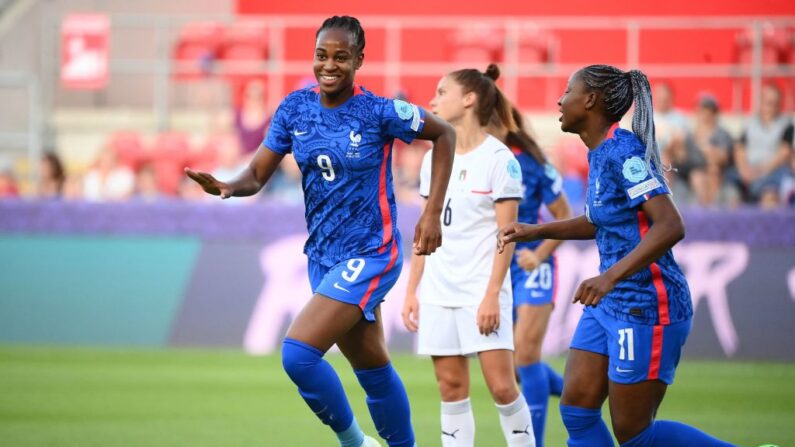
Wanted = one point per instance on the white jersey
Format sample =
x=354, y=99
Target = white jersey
x=457, y=273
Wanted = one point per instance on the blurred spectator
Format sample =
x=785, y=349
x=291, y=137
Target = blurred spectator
x=285, y=185
x=669, y=123
x=229, y=157
x=8, y=183
x=705, y=154
x=146, y=189
x=763, y=154
x=73, y=188
x=107, y=180
x=51, y=177
x=408, y=160
x=251, y=119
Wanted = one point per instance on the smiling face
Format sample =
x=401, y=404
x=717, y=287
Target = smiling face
x=336, y=61
x=450, y=102
x=575, y=104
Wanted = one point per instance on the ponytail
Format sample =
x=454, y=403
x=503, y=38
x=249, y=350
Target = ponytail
x=643, y=118
x=491, y=101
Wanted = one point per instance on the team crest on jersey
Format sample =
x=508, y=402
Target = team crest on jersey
x=634, y=169
x=355, y=139
x=404, y=110
x=514, y=170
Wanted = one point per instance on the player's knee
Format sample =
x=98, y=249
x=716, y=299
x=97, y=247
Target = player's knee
x=452, y=387
x=577, y=419
x=528, y=352
x=504, y=391
x=298, y=358
x=626, y=426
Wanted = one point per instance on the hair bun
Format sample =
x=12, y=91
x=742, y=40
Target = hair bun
x=492, y=72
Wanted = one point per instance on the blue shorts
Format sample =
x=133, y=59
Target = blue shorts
x=537, y=287
x=637, y=352
x=363, y=282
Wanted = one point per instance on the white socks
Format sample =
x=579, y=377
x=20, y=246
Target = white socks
x=517, y=426
x=458, y=424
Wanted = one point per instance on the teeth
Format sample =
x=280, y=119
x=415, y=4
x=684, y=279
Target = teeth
x=329, y=78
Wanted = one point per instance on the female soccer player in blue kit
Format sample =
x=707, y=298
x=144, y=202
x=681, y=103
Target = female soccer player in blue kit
x=534, y=271
x=341, y=136
x=638, y=310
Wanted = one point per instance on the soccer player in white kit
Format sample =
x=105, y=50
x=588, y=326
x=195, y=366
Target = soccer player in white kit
x=464, y=305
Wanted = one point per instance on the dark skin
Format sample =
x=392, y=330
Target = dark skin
x=586, y=384
x=325, y=321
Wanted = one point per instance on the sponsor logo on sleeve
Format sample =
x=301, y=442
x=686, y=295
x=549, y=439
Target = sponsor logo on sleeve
x=642, y=188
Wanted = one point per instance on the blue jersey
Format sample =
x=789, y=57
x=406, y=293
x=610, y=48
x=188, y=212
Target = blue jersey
x=345, y=156
x=619, y=182
x=542, y=185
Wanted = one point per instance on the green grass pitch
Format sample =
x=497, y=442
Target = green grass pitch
x=86, y=397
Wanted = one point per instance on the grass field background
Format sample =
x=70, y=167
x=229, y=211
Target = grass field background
x=86, y=397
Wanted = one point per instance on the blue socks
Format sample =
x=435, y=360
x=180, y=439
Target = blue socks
x=535, y=388
x=388, y=404
x=555, y=381
x=673, y=434
x=586, y=427
x=322, y=390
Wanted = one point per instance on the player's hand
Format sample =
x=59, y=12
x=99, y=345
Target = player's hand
x=210, y=184
x=427, y=234
x=516, y=232
x=411, y=312
x=527, y=259
x=592, y=290
x=489, y=315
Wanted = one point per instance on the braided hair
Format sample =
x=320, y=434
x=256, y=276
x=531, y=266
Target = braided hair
x=491, y=100
x=619, y=90
x=349, y=24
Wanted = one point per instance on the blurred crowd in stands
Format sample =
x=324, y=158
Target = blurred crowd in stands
x=710, y=166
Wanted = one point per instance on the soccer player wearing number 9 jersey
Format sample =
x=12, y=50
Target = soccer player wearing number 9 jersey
x=341, y=136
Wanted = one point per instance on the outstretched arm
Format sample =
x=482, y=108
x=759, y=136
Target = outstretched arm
x=576, y=228
x=428, y=232
x=247, y=183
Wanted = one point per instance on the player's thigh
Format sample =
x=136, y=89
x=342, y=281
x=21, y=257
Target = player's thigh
x=498, y=370
x=586, y=376
x=323, y=321
x=364, y=345
x=634, y=406
x=529, y=329
x=585, y=382
x=452, y=375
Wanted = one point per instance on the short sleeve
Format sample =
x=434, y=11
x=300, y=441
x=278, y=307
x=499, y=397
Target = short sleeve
x=425, y=175
x=279, y=139
x=506, y=177
x=639, y=182
x=402, y=120
x=551, y=184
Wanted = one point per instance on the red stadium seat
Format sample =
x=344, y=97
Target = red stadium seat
x=129, y=149
x=170, y=154
x=477, y=45
x=196, y=49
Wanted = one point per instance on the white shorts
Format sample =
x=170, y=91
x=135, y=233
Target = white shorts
x=454, y=331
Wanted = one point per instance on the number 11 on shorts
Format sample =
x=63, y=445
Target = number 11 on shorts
x=626, y=341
